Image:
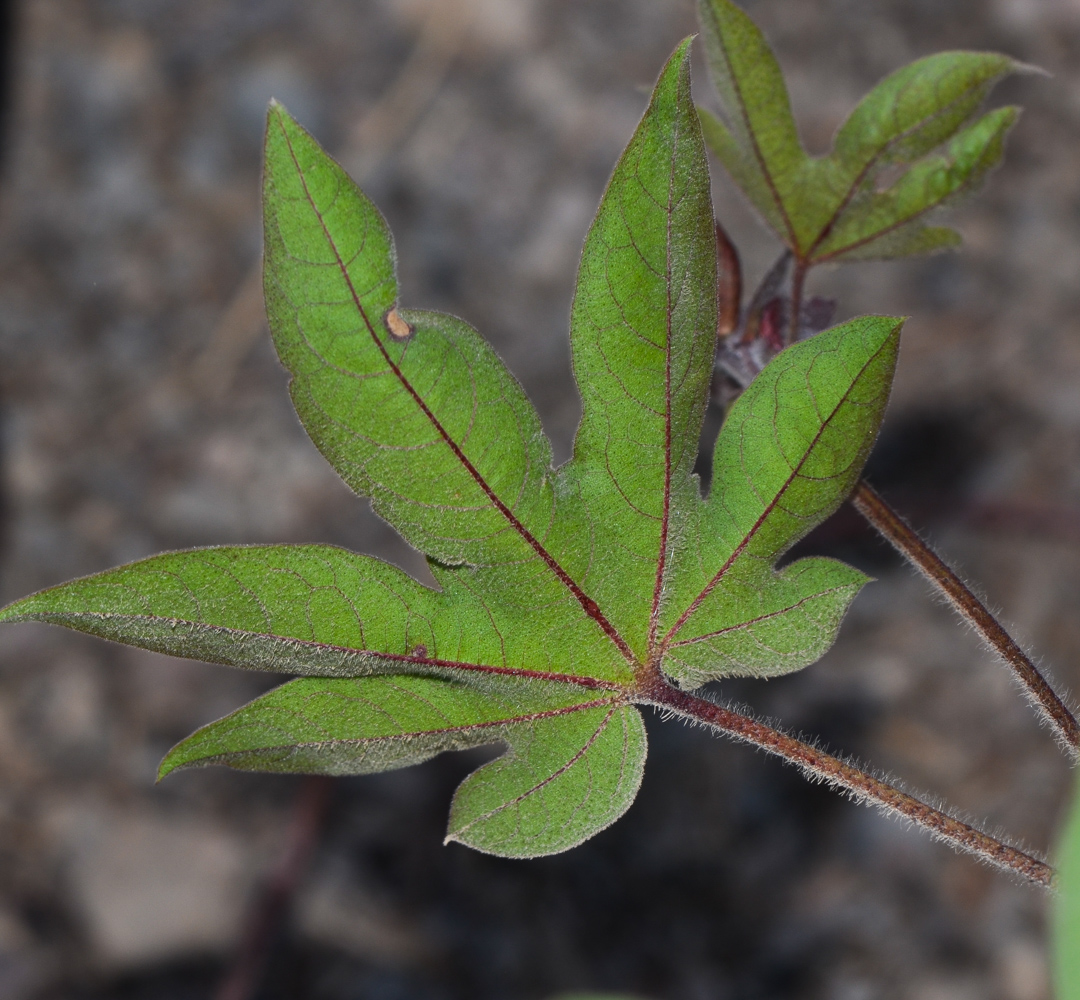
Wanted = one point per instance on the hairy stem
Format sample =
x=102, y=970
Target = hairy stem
x=863, y=787
x=895, y=530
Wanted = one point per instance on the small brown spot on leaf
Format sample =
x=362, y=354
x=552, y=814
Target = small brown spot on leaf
x=419, y=650
x=399, y=329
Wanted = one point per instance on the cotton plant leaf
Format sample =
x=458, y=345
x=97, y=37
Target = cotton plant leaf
x=559, y=593
x=830, y=208
x=1066, y=928
x=573, y=764
x=643, y=330
x=789, y=453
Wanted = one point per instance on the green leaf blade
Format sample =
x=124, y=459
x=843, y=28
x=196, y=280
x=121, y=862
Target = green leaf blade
x=286, y=608
x=562, y=783
x=643, y=330
x=915, y=109
x=573, y=765
x=890, y=223
x=313, y=610
x=794, y=444
x=790, y=451
x=424, y=418
x=397, y=416
x=369, y=724
x=751, y=87
x=797, y=613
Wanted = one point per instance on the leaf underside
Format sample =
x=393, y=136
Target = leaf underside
x=907, y=150
x=556, y=587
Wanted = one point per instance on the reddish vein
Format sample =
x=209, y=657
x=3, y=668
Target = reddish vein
x=661, y=559
x=346, y=651
x=758, y=155
x=884, y=231
x=556, y=773
x=550, y=713
x=752, y=621
x=591, y=608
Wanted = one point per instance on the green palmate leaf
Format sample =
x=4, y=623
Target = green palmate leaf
x=830, y=208
x=562, y=595
x=1067, y=910
x=573, y=765
x=788, y=454
x=642, y=333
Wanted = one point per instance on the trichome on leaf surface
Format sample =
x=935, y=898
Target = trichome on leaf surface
x=567, y=598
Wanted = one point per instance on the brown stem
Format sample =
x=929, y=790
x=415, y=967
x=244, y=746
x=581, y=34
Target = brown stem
x=861, y=786
x=798, y=279
x=895, y=530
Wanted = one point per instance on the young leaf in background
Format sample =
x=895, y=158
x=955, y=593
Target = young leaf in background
x=917, y=124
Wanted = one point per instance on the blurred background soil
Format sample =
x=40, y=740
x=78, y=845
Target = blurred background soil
x=142, y=408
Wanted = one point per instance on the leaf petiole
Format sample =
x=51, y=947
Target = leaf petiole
x=861, y=786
